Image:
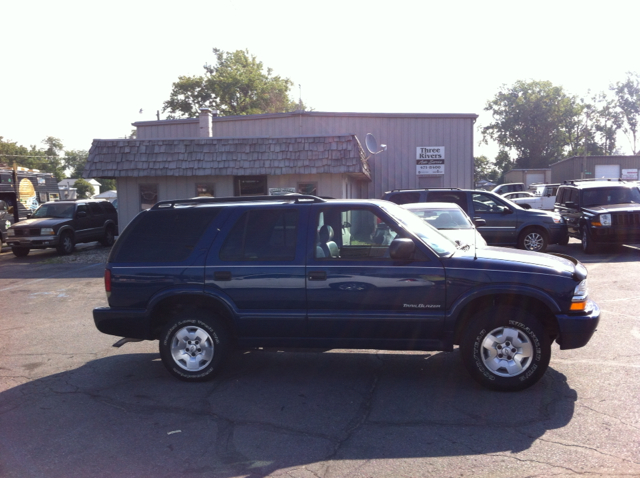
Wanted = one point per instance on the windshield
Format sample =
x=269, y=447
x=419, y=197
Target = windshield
x=55, y=210
x=444, y=218
x=426, y=232
x=613, y=195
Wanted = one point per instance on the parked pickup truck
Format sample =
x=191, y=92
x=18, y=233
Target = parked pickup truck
x=539, y=196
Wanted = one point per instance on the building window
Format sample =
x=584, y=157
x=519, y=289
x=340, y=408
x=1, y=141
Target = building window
x=148, y=195
x=250, y=186
x=204, y=190
x=308, y=188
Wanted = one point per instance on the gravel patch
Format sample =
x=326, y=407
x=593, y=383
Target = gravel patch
x=94, y=255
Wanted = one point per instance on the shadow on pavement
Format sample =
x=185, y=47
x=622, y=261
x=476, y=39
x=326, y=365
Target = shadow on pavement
x=126, y=416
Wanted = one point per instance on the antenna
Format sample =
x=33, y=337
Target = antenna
x=372, y=146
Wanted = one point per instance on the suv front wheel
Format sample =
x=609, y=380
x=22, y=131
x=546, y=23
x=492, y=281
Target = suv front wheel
x=533, y=240
x=193, y=347
x=587, y=243
x=505, y=348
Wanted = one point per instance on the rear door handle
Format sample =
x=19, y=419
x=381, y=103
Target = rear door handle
x=222, y=275
x=317, y=275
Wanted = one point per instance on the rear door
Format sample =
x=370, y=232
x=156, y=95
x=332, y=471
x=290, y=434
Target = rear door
x=257, y=265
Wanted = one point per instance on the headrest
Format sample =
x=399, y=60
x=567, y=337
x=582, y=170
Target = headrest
x=326, y=233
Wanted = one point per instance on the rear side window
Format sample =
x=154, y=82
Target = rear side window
x=163, y=235
x=262, y=235
x=95, y=209
x=108, y=207
x=404, y=198
x=456, y=197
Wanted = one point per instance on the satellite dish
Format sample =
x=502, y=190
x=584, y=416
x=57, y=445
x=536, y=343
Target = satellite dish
x=372, y=144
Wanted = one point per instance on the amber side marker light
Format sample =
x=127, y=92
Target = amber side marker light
x=578, y=306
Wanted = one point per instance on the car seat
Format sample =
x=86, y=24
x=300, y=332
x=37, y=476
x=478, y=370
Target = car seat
x=325, y=242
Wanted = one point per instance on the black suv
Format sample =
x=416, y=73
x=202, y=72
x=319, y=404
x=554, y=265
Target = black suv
x=62, y=224
x=500, y=221
x=600, y=212
x=203, y=275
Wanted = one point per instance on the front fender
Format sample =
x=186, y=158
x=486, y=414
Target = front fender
x=497, y=292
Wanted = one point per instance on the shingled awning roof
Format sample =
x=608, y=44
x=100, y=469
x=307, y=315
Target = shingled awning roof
x=227, y=157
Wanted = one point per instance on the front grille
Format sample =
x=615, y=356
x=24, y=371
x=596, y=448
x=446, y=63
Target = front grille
x=27, y=232
x=625, y=219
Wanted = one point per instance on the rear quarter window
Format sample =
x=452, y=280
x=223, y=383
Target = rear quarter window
x=163, y=235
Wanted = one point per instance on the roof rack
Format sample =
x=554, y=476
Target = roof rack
x=424, y=189
x=592, y=180
x=293, y=198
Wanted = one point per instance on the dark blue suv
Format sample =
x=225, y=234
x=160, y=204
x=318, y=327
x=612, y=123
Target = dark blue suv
x=204, y=275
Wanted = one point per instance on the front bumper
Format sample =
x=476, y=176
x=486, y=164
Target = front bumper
x=33, y=242
x=129, y=323
x=558, y=233
x=576, y=330
x=615, y=235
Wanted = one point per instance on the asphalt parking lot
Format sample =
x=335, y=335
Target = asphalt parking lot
x=71, y=405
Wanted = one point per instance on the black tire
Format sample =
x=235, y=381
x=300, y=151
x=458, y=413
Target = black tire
x=66, y=245
x=109, y=237
x=505, y=348
x=588, y=247
x=533, y=239
x=20, y=251
x=194, y=346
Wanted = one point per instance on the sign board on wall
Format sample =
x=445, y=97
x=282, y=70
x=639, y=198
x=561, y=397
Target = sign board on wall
x=429, y=160
x=281, y=191
x=630, y=174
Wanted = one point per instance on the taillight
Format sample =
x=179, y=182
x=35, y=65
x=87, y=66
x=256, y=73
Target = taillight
x=107, y=280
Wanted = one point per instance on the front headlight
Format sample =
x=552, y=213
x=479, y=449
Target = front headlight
x=47, y=231
x=605, y=219
x=7, y=225
x=11, y=232
x=557, y=218
x=580, y=294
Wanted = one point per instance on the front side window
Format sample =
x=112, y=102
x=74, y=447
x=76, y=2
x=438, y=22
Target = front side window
x=484, y=203
x=148, y=196
x=262, y=235
x=352, y=234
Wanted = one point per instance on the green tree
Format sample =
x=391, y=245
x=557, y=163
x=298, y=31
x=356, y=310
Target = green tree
x=237, y=84
x=84, y=188
x=75, y=161
x=534, y=120
x=607, y=120
x=46, y=160
x=628, y=102
x=485, y=169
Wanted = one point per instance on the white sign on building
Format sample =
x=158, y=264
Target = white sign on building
x=429, y=160
x=630, y=174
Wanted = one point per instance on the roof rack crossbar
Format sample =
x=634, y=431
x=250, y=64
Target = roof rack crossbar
x=297, y=199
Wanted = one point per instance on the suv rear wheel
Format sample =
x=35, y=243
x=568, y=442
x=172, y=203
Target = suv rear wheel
x=109, y=237
x=505, y=348
x=533, y=240
x=588, y=246
x=20, y=251
x=193, y=347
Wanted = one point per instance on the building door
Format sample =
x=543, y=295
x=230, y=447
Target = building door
x=607, y=171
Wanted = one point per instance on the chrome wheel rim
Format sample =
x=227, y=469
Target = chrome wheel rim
x=585, y=240
x=192, y=348
x=533, y=241
x=67, y=244
x=507, y=352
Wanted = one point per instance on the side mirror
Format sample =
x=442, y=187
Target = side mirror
x=81, y=214
x=570, y=204
x=506, y=210
x=479, y=222
x=401, y=248
x=28, y=215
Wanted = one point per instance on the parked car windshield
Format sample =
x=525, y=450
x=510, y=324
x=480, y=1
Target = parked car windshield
x=427, y=233
x=613, y=195
x=54, y=210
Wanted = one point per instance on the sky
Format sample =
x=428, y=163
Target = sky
x=79, y=70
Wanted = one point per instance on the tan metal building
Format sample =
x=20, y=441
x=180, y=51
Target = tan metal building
x=422, y=150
